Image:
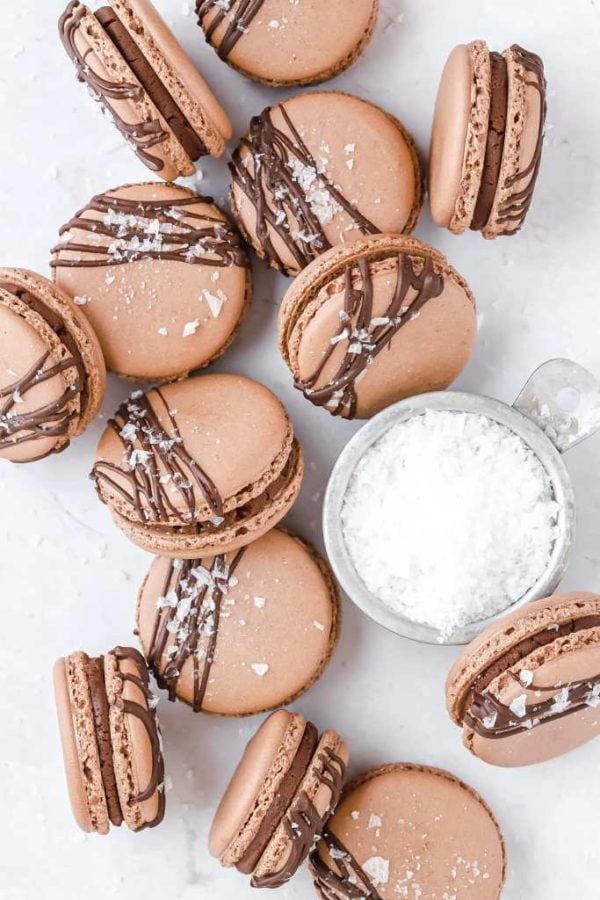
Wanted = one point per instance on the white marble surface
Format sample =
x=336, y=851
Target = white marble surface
x=68, y=580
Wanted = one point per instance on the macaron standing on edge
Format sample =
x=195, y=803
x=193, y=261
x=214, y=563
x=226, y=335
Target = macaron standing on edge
x=243, y=632
x=162, y=275
x=138, y=72
x=321, y=169
x=282, y=44
x=528, y=688
x=111, y=740
x=487, y=139
x=406, y=830
x=52, y=372
x=374, y=321
x=280, y=797
x=199, y=467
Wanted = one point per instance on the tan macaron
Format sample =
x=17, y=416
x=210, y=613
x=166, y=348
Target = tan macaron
x=162, y=275
x=487, y=138
x=135, y=68
x=111, y=740
x=375, y=321
x=410, y=831
x=52, y=373
x=528, y=688
x=322, y=169
x=199, y=467
x=280, y=797
x=243, y=632
x=283, y=43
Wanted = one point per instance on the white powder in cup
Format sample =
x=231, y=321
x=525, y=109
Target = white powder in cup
x=449, y=518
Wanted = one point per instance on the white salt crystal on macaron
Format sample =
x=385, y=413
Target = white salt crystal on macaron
x=449, y=518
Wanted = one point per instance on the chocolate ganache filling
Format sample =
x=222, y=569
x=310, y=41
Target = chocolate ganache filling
x=495, y=142
x=490, y=718
x=160, y=96
x=94, y=670
x=52, y=420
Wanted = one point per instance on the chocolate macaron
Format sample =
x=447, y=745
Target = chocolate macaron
x=528, y=688
x=111, y=740
x=283, y=43
x=199, y=467
x=375, y=321
x=137, y=71
x=280, y=797
x=162, y=275
x=322, y=169
x=243, y=632
x=410, y=831
x=52, y=372
x=486, y=144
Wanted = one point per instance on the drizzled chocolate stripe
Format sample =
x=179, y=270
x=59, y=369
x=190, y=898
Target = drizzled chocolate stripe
x=304, y=823
x=516, y=206
x=142, y=136
x=365, y=336
x=350, y=882
x=190, y=609
x=149, y=229
x=53, y=419
x=239, y=14
x=147, y=716
x=157, y=462
x=281, y=204
x=490, y=718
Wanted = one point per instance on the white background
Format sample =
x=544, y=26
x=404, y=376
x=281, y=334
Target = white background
x=68, y=579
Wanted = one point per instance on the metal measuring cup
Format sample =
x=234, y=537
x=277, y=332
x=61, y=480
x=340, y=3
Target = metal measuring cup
x=558, y=407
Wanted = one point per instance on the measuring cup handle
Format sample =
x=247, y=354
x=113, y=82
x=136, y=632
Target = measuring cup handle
x=563, y=399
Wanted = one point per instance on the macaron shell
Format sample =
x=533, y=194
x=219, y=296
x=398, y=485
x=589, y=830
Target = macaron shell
x=189, y=543
x=283, y=852
x=143, y=310
x=266, y=760
x=499, y=638
x=80, y=749
x=459, y=135
x=234, y=428
x=282, y=612
x=564, y=662
x=166, y=157
x=299, y=44
x=176, y=71
x=132, y=750
x=368, y=156
x=522, y=145
x=419, y=830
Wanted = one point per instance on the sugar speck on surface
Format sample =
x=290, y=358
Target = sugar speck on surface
x=449, y=518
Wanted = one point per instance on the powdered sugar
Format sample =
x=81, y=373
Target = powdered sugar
x=449, y=518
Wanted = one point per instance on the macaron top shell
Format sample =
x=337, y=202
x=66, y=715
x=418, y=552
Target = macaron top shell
x=375, y=321
x=283, y=43
x=528, y=688
x=255, y=628
x=407, y=830
x=161, y=274
x=52, y=373
x=345, y=166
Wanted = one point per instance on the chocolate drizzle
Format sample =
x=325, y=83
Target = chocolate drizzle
x=238, y=13
x=303, y=822
x=146, y=714
x=281, y=163
x=156, y=466
x=367, y=336
x=142, y=136
x=54, y=418
x=516, y=206
x=128, y=230
x=350, y=882
x=189, y=608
